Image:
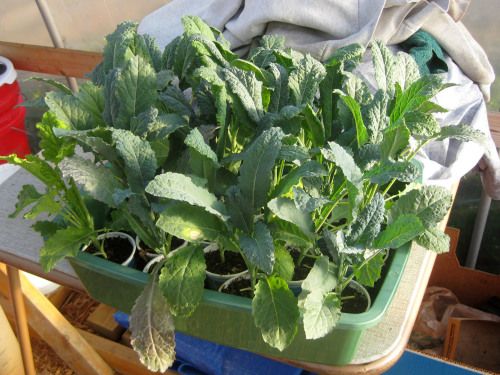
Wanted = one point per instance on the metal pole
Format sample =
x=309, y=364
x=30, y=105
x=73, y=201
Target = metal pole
x=54, y=35
x=478, y=231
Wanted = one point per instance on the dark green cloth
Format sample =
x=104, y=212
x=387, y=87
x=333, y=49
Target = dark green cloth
x=427, y=53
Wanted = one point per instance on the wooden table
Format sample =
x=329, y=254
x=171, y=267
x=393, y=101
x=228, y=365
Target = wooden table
x=380, y=347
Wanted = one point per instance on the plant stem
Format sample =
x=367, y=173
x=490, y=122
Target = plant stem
x=336, y=198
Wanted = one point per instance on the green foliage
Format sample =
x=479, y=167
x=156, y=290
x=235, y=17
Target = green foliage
x=152, y=328
x=182, y=278
x=261, y=156
x=259, y=248
x=275, y=312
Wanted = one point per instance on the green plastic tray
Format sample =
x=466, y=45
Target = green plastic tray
x=227, y=319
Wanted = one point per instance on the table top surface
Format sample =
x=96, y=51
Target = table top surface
x=380, y=345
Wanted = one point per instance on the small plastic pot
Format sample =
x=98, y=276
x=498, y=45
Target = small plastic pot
x=215, y=280
x=361, y=290
x=295, y=286
x=155, y=258
x=225, y=284
x=127, y=262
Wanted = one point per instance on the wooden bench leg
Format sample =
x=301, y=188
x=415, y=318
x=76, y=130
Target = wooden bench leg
x=23, y=335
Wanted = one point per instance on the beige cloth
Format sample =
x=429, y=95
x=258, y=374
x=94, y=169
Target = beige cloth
x=321, y=26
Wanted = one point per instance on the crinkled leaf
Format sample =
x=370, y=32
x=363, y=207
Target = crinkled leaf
x=386, y=170
x=275, y=312
x=146, y=47
x=464, y=133
x=395, y=140
x=183, y=188
x=91, y=98
x=64, y=242
x=343, y=159
x=280, y=94
x=290, y=234
x=190, y=223
x=195, y=141
x=434, y=239
x=422, y=125
x=286, y=210
x=195, y=25
x=255, y=173
x=139, y=158
x=182, y=278
x=52, y=82
x=54, y=149
x=246, y=88
x=293, y=153
x=239, y=209
x=310, y=168
x=175, y=101
x=314, y=127
x=416, y=95
x=118, y=48
x=70, y=110
x=152, y=328
x=259, y=247
x=368, y=273
x=305, y=202
x=320, y=315
x=98, y=181
x=383, y=63
x=26, y=197
x=38, y=168
x=134, y=91
x=429, y=203
x=355, y=108
x=164, y=78
x=95, y=141
x=41, y=203
x=367, y=225
x=305, y=79
x=376, y=118
x=356, y=88
x=405, y=70
x=46, y=228
x=402, y=230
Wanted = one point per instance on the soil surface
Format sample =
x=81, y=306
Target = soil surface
x=117, y=249
x=233, y=263
x=354, y=305
x=302, y=271
x=241, y=287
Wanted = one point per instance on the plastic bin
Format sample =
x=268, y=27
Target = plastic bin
x=227, y=319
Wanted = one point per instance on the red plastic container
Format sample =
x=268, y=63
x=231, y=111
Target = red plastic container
x=13, y=138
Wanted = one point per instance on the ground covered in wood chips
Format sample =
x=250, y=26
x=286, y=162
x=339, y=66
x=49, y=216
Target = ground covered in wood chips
x=76, y=309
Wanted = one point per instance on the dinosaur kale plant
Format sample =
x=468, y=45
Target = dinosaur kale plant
x=270, y=156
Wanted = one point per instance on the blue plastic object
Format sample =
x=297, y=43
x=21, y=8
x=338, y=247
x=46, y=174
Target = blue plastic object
x=201, y=357
x=412, y=363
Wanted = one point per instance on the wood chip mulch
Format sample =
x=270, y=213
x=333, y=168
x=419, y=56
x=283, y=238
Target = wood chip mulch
x=76, y=309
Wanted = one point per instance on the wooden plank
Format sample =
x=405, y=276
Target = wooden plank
x=101, y=320
x=58, y=296
x=56, y=331
x=23, y=335
x=120, y=357
x=494, y=121
x=50, y=60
